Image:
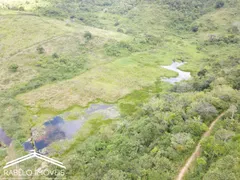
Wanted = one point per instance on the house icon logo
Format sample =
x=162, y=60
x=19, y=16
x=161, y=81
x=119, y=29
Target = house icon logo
x=34, y=154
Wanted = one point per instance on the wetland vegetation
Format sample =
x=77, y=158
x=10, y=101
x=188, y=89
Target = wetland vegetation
x=102, y=68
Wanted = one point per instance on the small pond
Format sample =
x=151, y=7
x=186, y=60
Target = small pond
x=57, y=128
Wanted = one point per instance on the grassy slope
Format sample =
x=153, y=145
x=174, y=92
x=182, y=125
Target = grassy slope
x=22, y=34
x=134, y=72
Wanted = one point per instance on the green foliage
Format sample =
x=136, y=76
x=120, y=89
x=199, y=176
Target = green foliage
x=52, y=70
x=220, y=151
x=21, y=8
x=3, y=153
x=55, y=55
x=195, y=28
x=159, y=128
x=12, y=118
x=162, y=132
x=40, y=50
x=120, y=30
x=204, y=109
x=87, y=35
x=118, y=49
x=13, y=67
x=219, y=4
x=116, y=23
x=228, y=39
x=115, y=174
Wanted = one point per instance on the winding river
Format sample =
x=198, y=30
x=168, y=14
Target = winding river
x=182, y=75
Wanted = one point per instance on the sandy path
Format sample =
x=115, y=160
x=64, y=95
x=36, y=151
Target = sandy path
x=197, y=151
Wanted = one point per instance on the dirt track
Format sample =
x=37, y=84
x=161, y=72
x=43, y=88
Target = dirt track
x=197, y=151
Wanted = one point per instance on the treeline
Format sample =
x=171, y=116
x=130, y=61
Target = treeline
x=182, y=12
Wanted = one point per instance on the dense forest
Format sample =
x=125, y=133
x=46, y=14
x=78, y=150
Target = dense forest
x=57, y=57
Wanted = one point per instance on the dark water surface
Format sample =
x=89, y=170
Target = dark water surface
x=4, y=138
x=57, y=128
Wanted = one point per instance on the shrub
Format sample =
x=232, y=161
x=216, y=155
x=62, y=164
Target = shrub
x=81, y=19
x=55, y=56
x=153, y=40
x=202, y=73
x=87, y=35
x=129, y=31
x=3, y=153
x=40, y=50
x=219, y=4
x=21, y=8
x=195, y=28
x=119, y=49
x=229, y=39
x=116, y=23
x=120, y=30
x=13, y=67
x=206, y=110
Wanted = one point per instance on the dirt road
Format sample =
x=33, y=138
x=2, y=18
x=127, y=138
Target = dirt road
x=197, y=151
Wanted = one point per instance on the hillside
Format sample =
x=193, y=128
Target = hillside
x=98, y=67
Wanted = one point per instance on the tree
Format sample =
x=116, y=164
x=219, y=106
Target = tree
x=224, y=135
x=204, y=109
x=182, y=141
x=202, y=73
x=233, y=110
x=116, y=175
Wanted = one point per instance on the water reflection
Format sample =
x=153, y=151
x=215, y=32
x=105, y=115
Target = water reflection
x=57, y=128
x=181, y=74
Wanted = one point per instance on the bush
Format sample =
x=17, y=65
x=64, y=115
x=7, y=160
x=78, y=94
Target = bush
x=202, y=73
x=227, y=39
x=120, y=30
x=13, y=67
x=129, y=31
x=55, y=56
x=116, y=23
x=21, y=8
x=3, y=153
x=194, y=28
x=119, y=49
x=219, y=4
x=40, y=50
x=81, y=19
x=87, y=35
x=206, y=110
